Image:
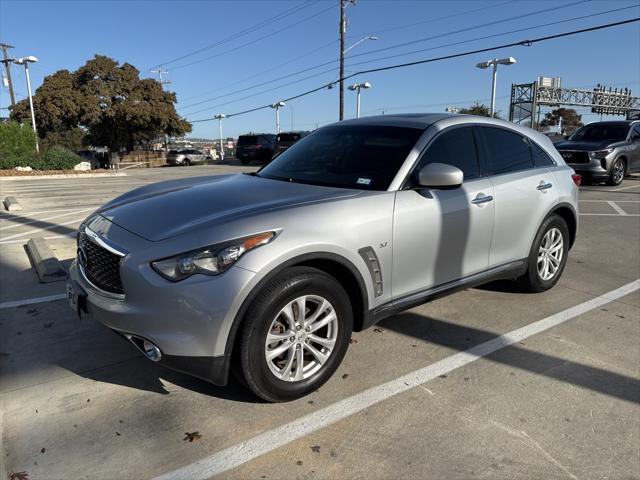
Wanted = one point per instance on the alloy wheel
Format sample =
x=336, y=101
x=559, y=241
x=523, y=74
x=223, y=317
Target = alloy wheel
x=301, y=338
x=550, y=254
x=618, y=172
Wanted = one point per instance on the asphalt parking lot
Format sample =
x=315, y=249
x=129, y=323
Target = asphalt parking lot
x=487, y=383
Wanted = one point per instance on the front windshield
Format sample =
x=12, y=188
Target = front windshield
x=348, y=156
x=600, y=132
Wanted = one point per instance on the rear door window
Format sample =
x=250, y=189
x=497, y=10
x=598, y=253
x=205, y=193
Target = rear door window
x=506, y=151
x=540, y=157
x=456, y=147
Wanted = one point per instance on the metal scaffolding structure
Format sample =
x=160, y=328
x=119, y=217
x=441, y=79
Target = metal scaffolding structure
x=527, y=98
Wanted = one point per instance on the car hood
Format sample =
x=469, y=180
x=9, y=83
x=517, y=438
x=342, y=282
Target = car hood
x=164, y=210
x=583, y=146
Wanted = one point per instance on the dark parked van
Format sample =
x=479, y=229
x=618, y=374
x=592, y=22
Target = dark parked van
x=285, y=139
x=255, y=146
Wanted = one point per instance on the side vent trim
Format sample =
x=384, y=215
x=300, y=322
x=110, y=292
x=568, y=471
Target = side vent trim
x=369, y=256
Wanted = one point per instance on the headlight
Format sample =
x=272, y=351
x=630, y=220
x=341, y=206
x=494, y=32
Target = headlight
x=601, y=153
x=211, y=260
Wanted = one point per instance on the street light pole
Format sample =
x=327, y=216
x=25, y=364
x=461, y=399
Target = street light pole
x=357, y=87
x=25, y=61
x=220, y=116
x=494, y=63
x=277, y=106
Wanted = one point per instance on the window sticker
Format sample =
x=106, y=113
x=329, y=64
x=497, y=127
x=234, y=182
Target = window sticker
x=364, y=181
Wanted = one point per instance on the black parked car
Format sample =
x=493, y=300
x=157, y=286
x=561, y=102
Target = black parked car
x=255, y=146
x=285, y=139
x=603, y=151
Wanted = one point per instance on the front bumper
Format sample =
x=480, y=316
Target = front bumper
x=188, y=321
x=597, y=168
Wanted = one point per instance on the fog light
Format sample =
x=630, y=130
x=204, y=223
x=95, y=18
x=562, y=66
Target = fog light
x=151, y=351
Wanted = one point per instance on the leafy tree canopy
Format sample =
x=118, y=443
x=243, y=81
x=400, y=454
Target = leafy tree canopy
x=570, y=119
x=106, y=103
x=479, y=109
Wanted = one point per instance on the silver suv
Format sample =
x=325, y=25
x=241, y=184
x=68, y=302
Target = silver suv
x=360, y=220
x=604, y=151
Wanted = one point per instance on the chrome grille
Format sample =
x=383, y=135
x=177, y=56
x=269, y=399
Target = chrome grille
x=100, y=266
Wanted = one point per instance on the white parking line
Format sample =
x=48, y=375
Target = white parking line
x=609, y=215
x=36, y=220
x=36, y=230
x=616, y=207
x=50, y=237
x=31, y=301
x=628, y=187
x=270, y=440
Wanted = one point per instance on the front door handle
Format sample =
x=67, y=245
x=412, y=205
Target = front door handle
x=544, y=186
x=482, y=198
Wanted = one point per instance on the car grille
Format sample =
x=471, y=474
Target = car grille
x=100, y=266
x=575, y=157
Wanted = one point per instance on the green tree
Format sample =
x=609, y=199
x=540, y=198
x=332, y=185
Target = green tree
x=479, y=109
x=105, y=103
x=570, y=119
x=17, y=145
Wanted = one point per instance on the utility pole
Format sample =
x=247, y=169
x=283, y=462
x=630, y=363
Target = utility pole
x=343, y=29
x=160, y=72
x=7, y=65
x=162, y=82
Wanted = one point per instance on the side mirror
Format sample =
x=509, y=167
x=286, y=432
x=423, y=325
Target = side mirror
x=440, y=175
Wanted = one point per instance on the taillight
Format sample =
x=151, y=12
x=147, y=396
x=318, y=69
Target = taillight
x=577, y=179
x=258, y=146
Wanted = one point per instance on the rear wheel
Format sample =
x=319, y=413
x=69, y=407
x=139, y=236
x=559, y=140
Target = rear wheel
x=295, y=334
x=244, y=161
x=548, y=256
x=618, y=170
x=186, y=162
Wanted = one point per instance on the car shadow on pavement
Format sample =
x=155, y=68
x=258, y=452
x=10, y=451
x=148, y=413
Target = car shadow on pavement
x=461, y=338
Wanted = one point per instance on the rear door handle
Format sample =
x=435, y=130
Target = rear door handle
x=544, y=186
x=482, y=198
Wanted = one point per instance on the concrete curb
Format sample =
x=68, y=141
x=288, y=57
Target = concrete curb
x=46, y=264
x=49, y=177
x=11, y=204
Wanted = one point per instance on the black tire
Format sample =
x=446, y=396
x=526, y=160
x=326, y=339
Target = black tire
x=532, y=281
x=275, y=295
x=186, y=162
x=244, y=161
x=616, y=176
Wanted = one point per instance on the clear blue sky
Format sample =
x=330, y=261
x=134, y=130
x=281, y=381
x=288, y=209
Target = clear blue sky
x=64, y=34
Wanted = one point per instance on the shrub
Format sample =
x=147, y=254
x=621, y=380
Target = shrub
x=57, y=158
x=17, y=145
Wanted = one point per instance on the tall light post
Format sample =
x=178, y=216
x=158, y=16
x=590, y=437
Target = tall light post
x=25, y=61
x=220, y=116
x=494, y=63
x=278, y=106
x=343, y=52
x=357, y=87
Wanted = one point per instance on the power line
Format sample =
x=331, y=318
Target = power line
x=387, y=48
x=246, y=31
x=526, y=43
x=485, y=37
x=371, y=61
x=252, y=42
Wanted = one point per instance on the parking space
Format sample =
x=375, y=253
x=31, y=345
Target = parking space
x=489, y=382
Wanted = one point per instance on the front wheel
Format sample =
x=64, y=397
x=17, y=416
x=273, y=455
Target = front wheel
x=295, y=334
x=548, y=256
x=618, y=169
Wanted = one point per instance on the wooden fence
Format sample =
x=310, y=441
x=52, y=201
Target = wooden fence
x=142, y=159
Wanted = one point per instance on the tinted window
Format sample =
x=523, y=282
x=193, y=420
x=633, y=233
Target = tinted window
x=354, y=156
x=455, y=147
x=636, y=131
x=506, y=151
x=247, y=140
x=540, y=157
x=598, y=132
x=288, y=137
